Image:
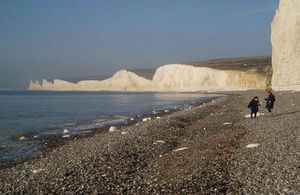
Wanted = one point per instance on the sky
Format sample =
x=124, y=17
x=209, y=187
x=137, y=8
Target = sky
x=70, y=38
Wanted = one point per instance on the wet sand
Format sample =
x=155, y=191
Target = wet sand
x=200, y=150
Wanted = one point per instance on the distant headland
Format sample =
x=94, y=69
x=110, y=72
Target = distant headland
x=213, y=75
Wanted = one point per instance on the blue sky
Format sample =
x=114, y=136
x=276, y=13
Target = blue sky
x=54, y=38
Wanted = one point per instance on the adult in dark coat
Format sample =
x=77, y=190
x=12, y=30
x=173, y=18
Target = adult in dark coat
x=270, y=102
x=254, y=103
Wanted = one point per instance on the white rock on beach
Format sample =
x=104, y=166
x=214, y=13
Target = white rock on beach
x=37, y=170
x=112, y=129
x=66, y=131
x=258, y=114
x=132, y=119
x=158, y=117
x=66, y=136
x=22, y=138
x=253, y=145
x=159, y=142
x=180, y=149
x=146, y=119
x=167, y=111
x=36, y=136
x=227, y=123
x=247, y=115
x=124, y=133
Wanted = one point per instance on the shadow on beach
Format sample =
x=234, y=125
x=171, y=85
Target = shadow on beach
x=287, y=113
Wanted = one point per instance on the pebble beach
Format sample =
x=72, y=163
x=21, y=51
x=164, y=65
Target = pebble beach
x=211, y=148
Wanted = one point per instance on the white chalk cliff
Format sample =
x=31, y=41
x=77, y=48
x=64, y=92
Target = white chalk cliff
x=167, y=78
x=285, y=38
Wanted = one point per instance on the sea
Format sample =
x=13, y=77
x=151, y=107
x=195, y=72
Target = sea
x=29, y=118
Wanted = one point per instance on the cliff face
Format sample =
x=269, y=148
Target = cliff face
x=178, y=77
x=285, y=38
x=174, y=77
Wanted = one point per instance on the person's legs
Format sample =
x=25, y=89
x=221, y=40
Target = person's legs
x=270, y=112
x=251, y=113
x=255, y=114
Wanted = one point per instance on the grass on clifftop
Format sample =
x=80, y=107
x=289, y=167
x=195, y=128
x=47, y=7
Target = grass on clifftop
x=259, y=63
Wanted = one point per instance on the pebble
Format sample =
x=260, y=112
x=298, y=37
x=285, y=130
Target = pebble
x=160, y=142
x=180, y=149
x=37, y=170
x=113, y=129
x=254, y=145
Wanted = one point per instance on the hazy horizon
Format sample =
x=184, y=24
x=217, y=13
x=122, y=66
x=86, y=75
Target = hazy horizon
x=74, y=38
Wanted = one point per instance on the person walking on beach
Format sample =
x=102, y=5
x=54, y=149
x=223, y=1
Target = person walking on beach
x=270, y=102
x=254, y=104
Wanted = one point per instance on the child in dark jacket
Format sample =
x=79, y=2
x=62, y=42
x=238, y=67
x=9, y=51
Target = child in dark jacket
x=254, y=106
x=270, y=102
